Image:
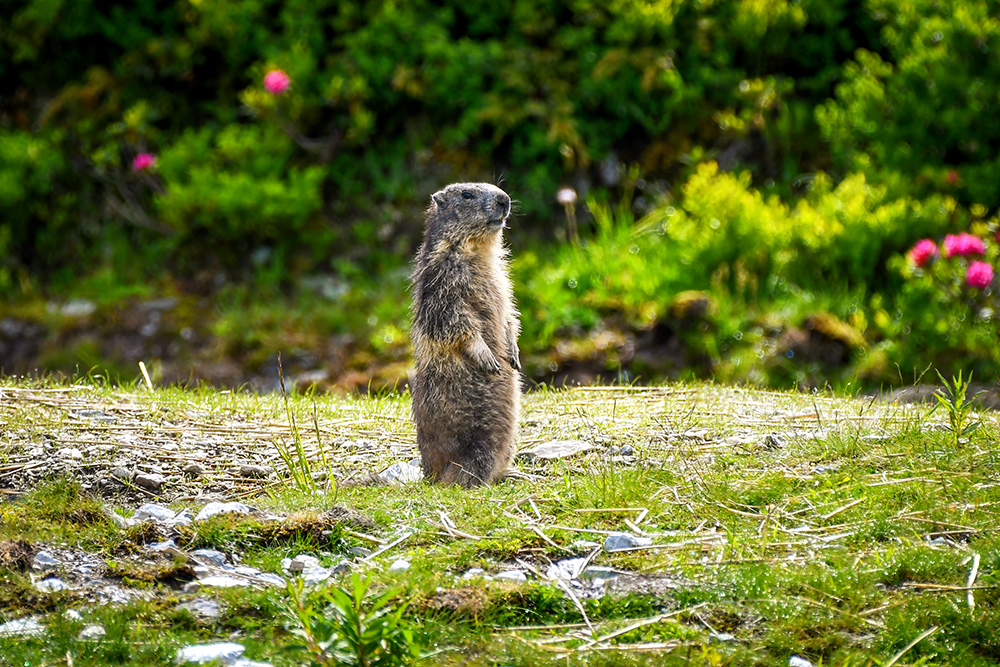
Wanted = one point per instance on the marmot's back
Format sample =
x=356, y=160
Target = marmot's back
x=466, y=387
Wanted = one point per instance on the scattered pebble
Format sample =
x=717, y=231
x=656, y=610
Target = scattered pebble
x=22, y=627
x=192, y=470
x=204, y=608
x=399, y=565
x=402, y=473
x=255, y=472
x=226, y=653
x=71, y=453
x=299, y=564
x=796, y=661
x=150, y=481
x=51, y=585
x=212, y=509
x=153, y=512
x=210, y=557
x=92, y=632
x=360, y=552
x=619, y=541
x=772, y=441
x=512, y=575
x=475, y=572
x=556, y=449
x=44, y=560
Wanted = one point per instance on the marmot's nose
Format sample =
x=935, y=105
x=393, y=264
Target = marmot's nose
x=504, y=202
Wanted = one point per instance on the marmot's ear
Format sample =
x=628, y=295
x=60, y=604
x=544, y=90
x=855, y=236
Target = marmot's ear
x=439, y=200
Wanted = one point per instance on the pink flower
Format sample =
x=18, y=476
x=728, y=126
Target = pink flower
x=276, y=81
x=952, y=176
x=143, y=162
x=979, y=275
x=963, y=244
x=923, y=252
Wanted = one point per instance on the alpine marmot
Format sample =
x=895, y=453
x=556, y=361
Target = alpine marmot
x=466, y=388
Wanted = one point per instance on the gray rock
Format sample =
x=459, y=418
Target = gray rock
x=192, y=470
x=216, y=581
x=314, y=575
x=226, y=653
x=150, y=481
x=51, y=585
x=627, y=450
x=72, y=615
x=360, y=552
x=255, y=472
x=153, y=512
x=340, y=568
x=402, y=473
x=796, y=661
x=399, y=565
x=566, y=569
x=121, y=475
x=70, y=453
x=299, y=564
x=22, y=627
x=95, y=631
x=511, y=575
x=210, y=556
x=595, y=572
x=204, y=608
x=556, y=449
x=44, y=560
x=475, y=572
x=212, y=509
x=772, y=441
x=619, y=541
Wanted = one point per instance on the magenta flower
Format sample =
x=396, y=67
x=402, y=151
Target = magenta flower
x=276, y=82
x=963, y=244
x=979, y=275
x=143, y=162
x=923, y=252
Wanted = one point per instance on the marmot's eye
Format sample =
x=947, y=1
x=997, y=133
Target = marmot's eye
x=466, y=194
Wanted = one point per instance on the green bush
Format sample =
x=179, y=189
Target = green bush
x=920, y=114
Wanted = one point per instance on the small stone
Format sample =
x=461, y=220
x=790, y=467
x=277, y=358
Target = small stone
x=772, y=441
x=192, y=470
x=153, y=512
x=360, y=552
x=70, y=453
x=299, y=563
x=627, y=450
x=225, y=652
x=270, y=579
x=255, y=472
x=314, y=575
x=51, y=585
x=150, y=481
x=340, y=568
x=211, y=509
x=511, y=575
x=166, y=547
x=399, y=565
x=216, y=581
x=827, y=467
x=796, y=661
x=204, y=608
x=183, y=518
x=121, y=475
x=22, y=627
x=92, y=632
x=566, y=569
x=556, y=449
x=72, y=615
x=619, y=541
x=598, y=572
x=402, y=473
x=210, y=556
x=474, y=572
x=44, y=560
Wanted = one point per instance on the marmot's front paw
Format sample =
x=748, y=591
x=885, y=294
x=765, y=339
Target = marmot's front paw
x=515, y=363
x=490, y=365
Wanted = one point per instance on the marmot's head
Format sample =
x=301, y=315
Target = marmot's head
x=466, y=210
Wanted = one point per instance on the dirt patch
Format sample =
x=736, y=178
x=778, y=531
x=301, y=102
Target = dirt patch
x=15, y=555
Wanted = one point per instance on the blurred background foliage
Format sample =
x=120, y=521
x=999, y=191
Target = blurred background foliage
x=750, y=174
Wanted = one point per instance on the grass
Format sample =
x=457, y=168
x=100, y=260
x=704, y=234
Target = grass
x=834, y=528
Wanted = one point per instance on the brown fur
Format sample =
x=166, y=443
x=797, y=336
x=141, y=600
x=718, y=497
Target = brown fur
x=466, y=386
